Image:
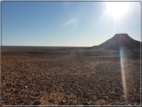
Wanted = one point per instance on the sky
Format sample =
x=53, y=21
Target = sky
x=68, y=23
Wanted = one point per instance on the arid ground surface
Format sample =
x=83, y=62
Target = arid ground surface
x=68, y=77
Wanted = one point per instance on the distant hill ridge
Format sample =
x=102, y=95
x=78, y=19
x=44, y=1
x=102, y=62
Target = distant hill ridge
x=118, y=41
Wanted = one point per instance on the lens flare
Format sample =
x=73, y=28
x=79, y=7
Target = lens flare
x=122, y=59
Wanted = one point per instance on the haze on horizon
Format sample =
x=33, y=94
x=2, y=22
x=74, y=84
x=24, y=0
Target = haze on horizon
x=68, y=23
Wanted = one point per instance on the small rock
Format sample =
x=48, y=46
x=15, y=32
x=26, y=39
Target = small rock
x=112, y=92
x=62, y=102
x=36, y=94
x=89, y=93
x=106, y=98
x=26, y=86
x=86, y=103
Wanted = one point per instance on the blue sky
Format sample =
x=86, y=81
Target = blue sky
x=67, y=23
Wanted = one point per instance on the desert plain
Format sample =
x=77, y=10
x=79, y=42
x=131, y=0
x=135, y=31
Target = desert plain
x=69, y=76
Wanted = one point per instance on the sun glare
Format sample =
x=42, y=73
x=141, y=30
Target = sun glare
x=116, y=9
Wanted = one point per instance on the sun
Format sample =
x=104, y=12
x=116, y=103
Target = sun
x=117, y=9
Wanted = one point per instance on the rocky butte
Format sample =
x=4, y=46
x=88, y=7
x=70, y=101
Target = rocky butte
x=120, y=40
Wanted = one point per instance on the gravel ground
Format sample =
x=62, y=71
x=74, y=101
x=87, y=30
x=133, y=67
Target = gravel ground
x=69, y=80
